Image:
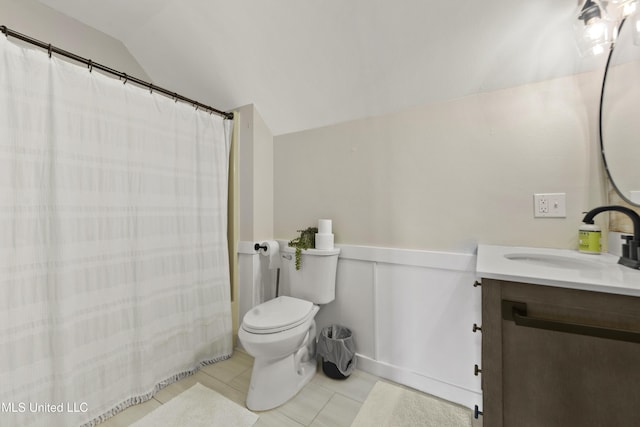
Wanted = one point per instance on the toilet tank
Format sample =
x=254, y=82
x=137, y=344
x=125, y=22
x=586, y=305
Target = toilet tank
x=316, y=279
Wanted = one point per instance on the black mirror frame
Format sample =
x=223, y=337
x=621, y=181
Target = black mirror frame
x=602, y=151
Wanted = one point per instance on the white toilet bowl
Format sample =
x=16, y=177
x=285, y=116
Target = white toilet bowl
x=280, y=335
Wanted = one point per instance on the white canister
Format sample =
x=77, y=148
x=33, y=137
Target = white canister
x=324, y=226
x=324, y=241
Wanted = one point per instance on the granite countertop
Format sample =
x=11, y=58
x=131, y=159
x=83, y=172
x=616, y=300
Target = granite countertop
x=557, y=267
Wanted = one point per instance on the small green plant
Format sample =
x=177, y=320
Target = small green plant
x=306, y=240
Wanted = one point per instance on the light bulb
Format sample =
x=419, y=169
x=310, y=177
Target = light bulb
x=594, y=29
x=629, y=8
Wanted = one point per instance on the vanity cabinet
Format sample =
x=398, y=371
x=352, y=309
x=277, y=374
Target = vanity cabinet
x=546, y=378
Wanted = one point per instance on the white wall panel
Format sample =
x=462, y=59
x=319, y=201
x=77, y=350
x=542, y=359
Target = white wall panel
x=424, y=322
x=354, y=304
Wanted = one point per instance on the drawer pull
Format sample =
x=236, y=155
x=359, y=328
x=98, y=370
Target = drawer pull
x=476, y=328
x=476, y=370
x=517, y=312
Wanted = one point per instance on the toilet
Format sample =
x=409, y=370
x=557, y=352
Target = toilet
x=280, y=333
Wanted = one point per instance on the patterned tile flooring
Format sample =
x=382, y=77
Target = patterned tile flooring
x=323, y=402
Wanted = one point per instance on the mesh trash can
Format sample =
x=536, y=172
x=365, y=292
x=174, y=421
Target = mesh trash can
x=337, y=350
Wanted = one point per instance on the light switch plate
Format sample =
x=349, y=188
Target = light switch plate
x=549, y=205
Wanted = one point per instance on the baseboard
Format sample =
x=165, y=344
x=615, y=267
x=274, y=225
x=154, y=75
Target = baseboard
x=432, y=386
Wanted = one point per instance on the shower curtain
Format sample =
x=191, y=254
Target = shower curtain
x=114, y=276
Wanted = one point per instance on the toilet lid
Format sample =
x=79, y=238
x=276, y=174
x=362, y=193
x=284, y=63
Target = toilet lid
x=277, y=314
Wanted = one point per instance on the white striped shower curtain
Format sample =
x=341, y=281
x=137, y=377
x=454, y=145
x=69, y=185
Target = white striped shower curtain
x=114, y=276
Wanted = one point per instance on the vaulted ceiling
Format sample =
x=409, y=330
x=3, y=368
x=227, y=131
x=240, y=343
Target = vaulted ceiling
x=310, y=63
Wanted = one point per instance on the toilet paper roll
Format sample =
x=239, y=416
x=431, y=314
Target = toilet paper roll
x=324, y=226
x=324, y=241
x=272, y=252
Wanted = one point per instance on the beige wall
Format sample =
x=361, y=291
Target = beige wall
x=447, y=176
x=48, y=25
x=255, y=164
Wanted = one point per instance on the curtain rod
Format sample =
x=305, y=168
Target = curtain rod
x=127, y=78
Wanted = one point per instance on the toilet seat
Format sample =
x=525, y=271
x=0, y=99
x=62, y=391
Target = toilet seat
x=277, y=315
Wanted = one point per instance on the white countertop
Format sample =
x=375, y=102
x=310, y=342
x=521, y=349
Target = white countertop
x=600, y=273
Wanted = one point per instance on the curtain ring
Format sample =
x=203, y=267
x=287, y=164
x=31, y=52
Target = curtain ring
x=151, y=88
x=50, y=49
x=90, y=66
x=125, y=78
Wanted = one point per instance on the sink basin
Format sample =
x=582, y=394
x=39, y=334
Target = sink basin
x=554, y=261
x=565, y=268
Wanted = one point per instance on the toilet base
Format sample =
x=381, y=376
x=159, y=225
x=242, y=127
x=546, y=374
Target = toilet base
x=273, y=382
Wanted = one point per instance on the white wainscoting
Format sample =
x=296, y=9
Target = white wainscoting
x=411, y=313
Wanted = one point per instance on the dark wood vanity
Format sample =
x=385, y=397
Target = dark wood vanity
x=534, y=377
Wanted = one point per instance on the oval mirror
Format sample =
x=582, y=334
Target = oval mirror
x=620, y=114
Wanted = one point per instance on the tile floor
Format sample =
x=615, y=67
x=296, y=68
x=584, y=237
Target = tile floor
x=323, y=402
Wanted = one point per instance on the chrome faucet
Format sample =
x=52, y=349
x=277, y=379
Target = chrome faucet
x=630, y=256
